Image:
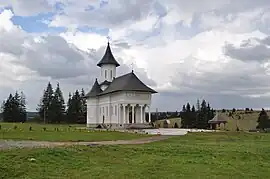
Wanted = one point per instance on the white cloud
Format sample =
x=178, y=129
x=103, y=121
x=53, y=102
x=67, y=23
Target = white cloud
x=28, y=7
x=181, y=66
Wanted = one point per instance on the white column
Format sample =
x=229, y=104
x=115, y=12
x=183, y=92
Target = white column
x=124, y=111
x=141, y=113
x=133, y=113
x=109, y=113
x=118, y=113
x=149, y=113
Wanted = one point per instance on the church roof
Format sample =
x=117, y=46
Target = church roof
x=105, y=83
x=218, y=119
x=94, y=91
x=127, y=82
x=108, y=58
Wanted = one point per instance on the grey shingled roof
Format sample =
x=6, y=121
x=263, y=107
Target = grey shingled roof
x=127, y=82
x=94, y=91
x=108, y=58
x=105, y=83
x=218, y=119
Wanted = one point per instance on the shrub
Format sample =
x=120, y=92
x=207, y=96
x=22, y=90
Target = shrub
x=15, y=127
x=44, y=128
x=30, y=128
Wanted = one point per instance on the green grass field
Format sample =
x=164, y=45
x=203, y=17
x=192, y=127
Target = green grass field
x=201, y=155
x=58, y=133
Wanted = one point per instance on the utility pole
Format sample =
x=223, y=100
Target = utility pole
x=44, y=116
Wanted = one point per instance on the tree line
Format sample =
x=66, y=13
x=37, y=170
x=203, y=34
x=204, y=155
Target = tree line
x=14, y=108
x=198, y=117
x=51, y=109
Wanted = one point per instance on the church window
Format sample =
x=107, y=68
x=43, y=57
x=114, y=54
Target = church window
x=105, y=73
x=115, y=110
x=111, y=73
x=106, y=110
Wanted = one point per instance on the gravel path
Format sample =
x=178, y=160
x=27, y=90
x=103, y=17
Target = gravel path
x=9, y=144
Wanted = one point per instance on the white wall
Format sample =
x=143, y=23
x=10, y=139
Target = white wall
x=105, y=106
x=107, y=72
x=92, y=109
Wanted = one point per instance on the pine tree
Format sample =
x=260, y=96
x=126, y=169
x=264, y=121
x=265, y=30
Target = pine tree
x=69, y=109
x=202, y=117
x=7, y=109
x=58, y=106
x=74, y=110
x=13, y=109
x=186, y=117
x=198, y=105
x=184, y=108
x=193, y=116
x=22, y=107
x=45, y=106
x=263, y=120
x=183, y=114
x=84, y=104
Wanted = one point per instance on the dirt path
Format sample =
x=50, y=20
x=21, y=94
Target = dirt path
x=9, y=144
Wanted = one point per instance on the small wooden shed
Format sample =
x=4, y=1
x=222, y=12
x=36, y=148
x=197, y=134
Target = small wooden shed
x=217, y=121
x=166, y=123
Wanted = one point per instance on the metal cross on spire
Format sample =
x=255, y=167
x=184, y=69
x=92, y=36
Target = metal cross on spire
x=132, y=65
x=108, y=38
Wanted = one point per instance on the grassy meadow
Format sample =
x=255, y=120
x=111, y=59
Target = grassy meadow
x=50, y=132
x=202, y=155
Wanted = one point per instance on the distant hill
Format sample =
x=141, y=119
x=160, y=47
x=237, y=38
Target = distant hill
x=30, y=115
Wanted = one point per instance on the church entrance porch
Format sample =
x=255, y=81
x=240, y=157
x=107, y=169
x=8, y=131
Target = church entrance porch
x=133, y=113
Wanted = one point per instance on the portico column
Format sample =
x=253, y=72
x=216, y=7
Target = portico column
x=132, y=113
x=149, y=113
x=124, y=111
x=117, y=114
x=141, y=113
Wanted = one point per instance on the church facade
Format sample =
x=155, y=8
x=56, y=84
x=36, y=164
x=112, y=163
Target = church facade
x=117, y=101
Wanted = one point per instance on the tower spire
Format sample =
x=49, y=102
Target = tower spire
x=108, y=39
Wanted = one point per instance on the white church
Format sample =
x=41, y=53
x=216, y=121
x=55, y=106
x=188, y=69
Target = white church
x=117, y=101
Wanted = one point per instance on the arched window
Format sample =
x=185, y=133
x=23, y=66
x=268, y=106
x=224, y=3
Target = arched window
x=105, y=74
x=111, y=74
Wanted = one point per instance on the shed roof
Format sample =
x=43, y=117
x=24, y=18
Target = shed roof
x=218, y=119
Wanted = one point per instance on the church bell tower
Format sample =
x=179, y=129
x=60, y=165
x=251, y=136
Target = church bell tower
x=107, y=66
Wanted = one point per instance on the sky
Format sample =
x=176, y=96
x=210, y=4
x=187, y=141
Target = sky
x=217, y=50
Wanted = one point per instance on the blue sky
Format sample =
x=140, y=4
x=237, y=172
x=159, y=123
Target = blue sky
x=183, y=49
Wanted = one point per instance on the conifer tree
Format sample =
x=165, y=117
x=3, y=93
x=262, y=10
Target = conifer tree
x=45, y=106
x=69, y=109
x=58, y=106
x=75, y=109
x=263, y=120
x=14, y=109
x=193, y=116
x=84, y=104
